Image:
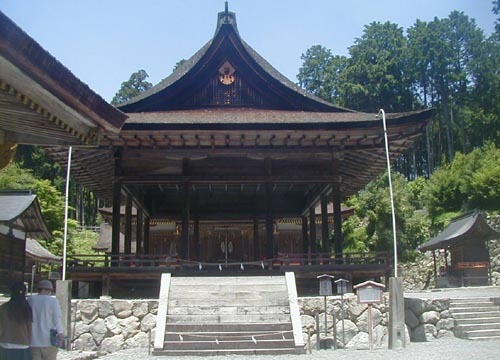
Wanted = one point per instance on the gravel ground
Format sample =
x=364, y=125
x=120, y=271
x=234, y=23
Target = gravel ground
x=441, y=349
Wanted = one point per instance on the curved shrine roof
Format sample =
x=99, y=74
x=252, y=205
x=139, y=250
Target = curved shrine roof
x=468, y=227
x=265, y=87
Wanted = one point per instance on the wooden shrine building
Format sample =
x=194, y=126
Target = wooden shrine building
x=220, y=152
x=20, y=222
x=466, y=252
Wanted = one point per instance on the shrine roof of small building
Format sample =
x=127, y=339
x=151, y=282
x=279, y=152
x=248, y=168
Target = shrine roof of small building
x=467, y=227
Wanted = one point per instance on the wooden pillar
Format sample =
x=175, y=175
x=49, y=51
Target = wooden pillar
x=256, y=244
x=128, y=226
x=147, y=249
x=306, y=246
x=139, y=232
x=115, y=226
x=196, y=236
x=185, y=253
x=337, y=219
x=312, y=230
x=325, y=242
x=269, y=223
x=106, y=285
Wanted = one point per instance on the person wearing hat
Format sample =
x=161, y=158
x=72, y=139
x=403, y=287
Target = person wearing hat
x=15, y=325
x=46, y=316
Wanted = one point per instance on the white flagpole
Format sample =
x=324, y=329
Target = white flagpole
x=381, y=111
x=65, y=238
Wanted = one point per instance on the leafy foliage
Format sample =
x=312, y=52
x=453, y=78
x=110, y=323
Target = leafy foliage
x=470, y=181
x=371, y=226
x=133, y=87
x=320, y=72
x=50, y=199
x=446, y=63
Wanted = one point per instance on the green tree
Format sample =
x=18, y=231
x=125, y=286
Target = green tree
x=442, y=63
x=376, y=75
x=371, y=225
x=41, y=165
x=51, y=200
x=468, y=182
x=133, y=87
x=320, y=73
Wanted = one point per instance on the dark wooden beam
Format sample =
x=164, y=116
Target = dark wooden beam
x=128, y=225
x=325, y=242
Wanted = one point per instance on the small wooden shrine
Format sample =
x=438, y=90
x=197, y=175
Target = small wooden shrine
x=20, y=218
x=465, y=249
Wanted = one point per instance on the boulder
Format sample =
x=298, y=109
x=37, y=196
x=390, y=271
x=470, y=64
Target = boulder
x=362, y=321
x=360, y=341
x=85, y=342
x=308, y=323
x=417, y=306
x=122, y=309
x=98, y=330
x=430, y=317
x=140, y=309
x=112, y=323
x=130, y=326
x=148, y=322
x=88, y=311
x=350, y=331
x=445, y=324
x=410, y=319
x=112, y=344
x=105, y=309
x=141, y=340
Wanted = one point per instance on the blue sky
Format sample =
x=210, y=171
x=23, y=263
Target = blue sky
x=104, y=41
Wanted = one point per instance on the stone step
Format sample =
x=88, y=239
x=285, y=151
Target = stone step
x=235, y=301
x=478, y=321
x=472, y=304
x=280, y=351
x=255, y=294
x=217, y=344
x=230, y=318
x=226, y=336
x=469, y=299
x=227, y=309
x=221, y=287
x=229, y=315
x=481, y=333
x=476, y=326
x=484, y=338
x=229, y=327
x=478, y=315
x=234, y=280
x=474, y=309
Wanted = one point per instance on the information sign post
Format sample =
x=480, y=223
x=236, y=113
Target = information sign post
x=341, y=290
x=325, y=289
x=370, y=292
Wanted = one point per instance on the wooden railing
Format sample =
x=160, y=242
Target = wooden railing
x=281, y=260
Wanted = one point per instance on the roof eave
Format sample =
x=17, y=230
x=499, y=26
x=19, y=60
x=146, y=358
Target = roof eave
x=30, y=59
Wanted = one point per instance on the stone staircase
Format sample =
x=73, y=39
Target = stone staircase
x=228, y=315
x=476, y=318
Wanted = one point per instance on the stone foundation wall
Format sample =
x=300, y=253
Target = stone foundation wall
x=494, y=247
x=111, y=325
